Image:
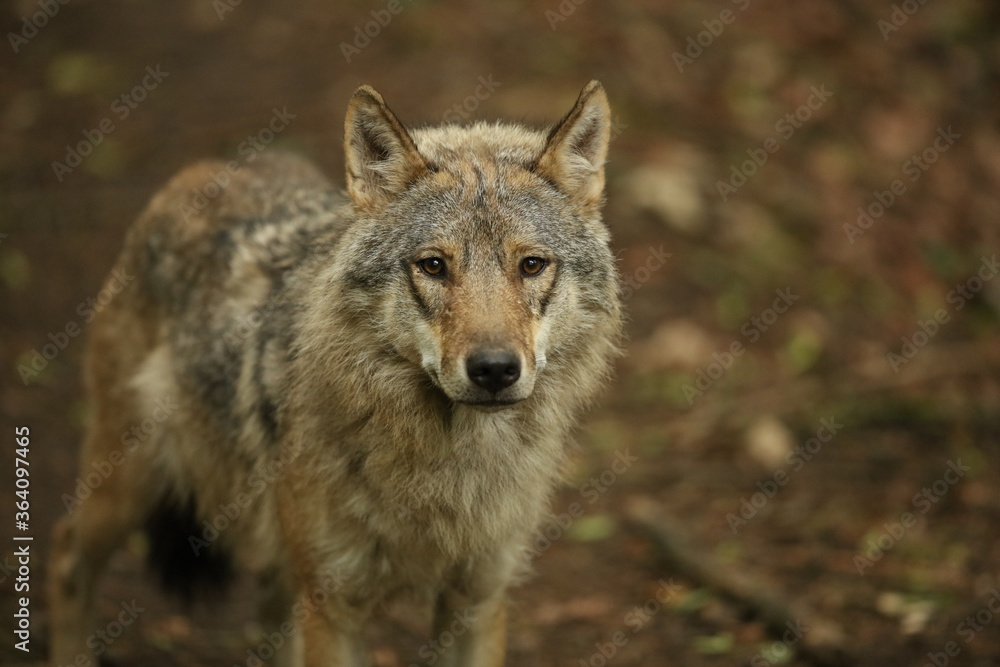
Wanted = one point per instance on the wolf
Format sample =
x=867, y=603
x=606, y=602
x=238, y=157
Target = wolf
x=353, y=398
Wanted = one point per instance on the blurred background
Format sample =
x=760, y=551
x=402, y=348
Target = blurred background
x=797, y=462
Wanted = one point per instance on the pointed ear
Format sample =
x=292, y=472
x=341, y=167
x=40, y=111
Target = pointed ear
x=577, y=147
x=381, y=157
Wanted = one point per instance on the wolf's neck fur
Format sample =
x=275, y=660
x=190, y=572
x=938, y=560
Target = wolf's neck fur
x=417, y=466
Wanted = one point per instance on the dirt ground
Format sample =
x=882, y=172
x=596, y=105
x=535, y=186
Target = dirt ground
x=804, y=199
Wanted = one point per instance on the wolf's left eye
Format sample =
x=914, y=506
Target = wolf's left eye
x=532, y=266
x=432, y=266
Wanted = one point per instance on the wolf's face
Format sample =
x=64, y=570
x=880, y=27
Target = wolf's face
x=481, y=247
x=482, y=281
x=477, y=306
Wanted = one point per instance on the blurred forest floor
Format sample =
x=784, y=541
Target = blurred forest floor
x=804, y=199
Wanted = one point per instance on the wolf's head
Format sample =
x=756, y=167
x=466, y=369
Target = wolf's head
x=479, y=252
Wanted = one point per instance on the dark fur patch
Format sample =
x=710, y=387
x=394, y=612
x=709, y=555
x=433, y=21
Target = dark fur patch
x=266, y=410
x=268, y=414
x=356, y=463
x=174, y=532
x=547, y=297
x=415, y=293
x=367, y=271
x=215, y=375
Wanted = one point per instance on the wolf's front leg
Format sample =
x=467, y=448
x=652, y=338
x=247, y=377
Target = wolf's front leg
x=279, y=628
x=331, y=635
x=470, y=634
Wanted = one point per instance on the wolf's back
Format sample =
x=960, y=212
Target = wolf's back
x=212, y=257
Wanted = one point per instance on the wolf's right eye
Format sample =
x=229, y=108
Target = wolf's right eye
x=432, y=266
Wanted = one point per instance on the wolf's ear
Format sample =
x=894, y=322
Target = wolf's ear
x=381, y=157
x=577, y=147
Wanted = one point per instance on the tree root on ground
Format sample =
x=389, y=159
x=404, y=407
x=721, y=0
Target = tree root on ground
x=823, y=644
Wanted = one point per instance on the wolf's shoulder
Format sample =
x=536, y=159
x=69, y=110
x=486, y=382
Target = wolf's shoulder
x=215, y=221
x=277, y=190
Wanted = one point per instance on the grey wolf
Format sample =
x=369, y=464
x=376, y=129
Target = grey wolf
x=370, y=396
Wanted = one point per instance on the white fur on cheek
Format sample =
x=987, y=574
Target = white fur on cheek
x=428, y=348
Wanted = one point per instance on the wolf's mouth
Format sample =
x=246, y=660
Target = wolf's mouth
x=490, y=406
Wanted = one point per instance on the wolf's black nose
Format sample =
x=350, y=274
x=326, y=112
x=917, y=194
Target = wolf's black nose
x=493, y=369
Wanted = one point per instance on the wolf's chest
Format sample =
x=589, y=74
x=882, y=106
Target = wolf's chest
x=482, y=487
